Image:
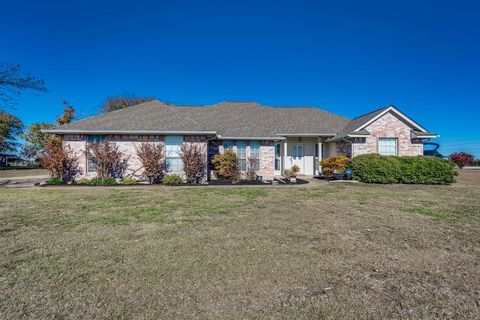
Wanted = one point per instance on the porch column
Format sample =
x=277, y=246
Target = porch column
x=286, y=165
x=320, y=154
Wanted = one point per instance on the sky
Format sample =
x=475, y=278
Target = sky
x=347, y=57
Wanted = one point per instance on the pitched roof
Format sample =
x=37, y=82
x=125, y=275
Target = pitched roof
x=357, y=122
x=357, y=125
x=226, y=119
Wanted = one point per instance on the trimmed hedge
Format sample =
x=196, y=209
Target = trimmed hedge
x=374, y=168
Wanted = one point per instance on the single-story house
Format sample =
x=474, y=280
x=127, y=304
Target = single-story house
x=7, y=159
x=275, y=137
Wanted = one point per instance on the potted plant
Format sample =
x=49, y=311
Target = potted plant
x=291, y=174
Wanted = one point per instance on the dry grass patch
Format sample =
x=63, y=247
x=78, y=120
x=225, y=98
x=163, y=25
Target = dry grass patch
x=11, y=173
x=329, y=252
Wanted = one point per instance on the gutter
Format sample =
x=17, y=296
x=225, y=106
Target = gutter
x=306, y=134
x=250, y=138
x=60, y=131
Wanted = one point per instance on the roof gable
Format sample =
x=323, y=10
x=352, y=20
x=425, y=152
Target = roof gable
x=357, y=126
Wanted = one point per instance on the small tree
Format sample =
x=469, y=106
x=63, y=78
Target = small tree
x=35, y=140
x=10, y=128
x=108, y=160
x=461, y=159
x=226, y=166
x=333, y=165
x=68, y=114
x=194, y=161
x=153, y=161
x=59, y=160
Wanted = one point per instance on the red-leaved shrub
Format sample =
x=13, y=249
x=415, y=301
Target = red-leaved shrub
x=194, y=158
x=59, y=160
x=153, y=161
x=461, y=159
x=108, y=160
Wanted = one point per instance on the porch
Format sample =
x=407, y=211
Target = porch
x=305, y=151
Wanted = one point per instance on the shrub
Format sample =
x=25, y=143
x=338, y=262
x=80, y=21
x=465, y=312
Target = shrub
x=55, y=181
x=97, y=181
x=226, y=166
x=83, y=181
x=129, y=181
x=426, y=170
x=108, y=160
x=461, y=159
x=152, y=158
x=172, y=179
x=333, y=165
x=374, y=168
x=59, y=160
x=292, y=172
x=194, y=161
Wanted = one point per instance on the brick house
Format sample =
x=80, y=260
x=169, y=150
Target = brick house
x=275, y=137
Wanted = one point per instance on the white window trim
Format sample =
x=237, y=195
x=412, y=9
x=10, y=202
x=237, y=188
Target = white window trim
x=179, y=146
x=396, y=145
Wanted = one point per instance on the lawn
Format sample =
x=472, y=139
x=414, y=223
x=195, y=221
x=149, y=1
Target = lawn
x=329, y=252
x=10, y=173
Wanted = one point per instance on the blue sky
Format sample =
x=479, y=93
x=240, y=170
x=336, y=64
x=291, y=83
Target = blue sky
x=348, y=57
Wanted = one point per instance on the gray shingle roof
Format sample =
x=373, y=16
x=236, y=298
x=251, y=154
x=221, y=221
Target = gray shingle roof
x=227, y=119
x=356, y=123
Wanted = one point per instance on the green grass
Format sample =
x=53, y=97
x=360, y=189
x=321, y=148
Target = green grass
x=339, y=251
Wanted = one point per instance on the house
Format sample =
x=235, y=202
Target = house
x=7, y=159
x=276, y=138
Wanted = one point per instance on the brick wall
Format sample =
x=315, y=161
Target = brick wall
x=343, y=148
x=388, y=126
x=126, y=144
x=267, y=160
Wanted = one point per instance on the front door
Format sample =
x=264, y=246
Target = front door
x=298, y=154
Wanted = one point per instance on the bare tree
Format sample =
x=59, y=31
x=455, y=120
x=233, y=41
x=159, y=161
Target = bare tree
x=120, y=102
x=13, y=82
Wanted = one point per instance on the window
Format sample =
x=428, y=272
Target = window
x=277, y=157
x=91, y=167
x=255, y=154
x=173, y=145
x=227, y=145
x=387, y=146
x=297, y=151
x=242, y=155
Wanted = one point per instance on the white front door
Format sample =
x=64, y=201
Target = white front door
x=298, y=156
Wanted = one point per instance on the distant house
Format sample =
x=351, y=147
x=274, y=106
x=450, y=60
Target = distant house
x=276, y=138
x=6, y=159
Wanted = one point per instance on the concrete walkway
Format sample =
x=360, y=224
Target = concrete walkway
x=22, y=182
